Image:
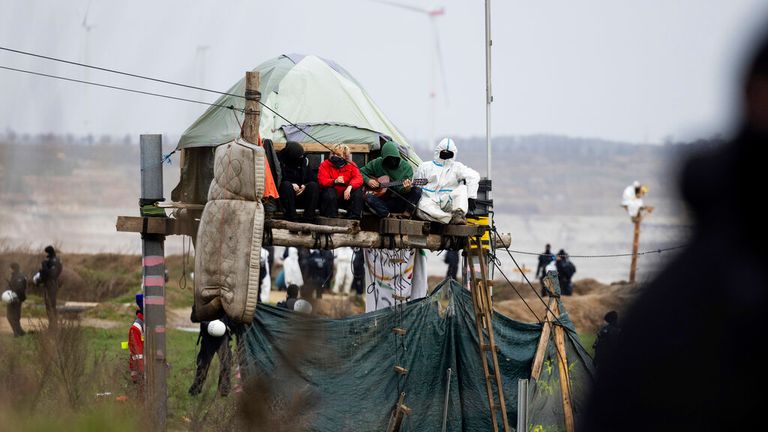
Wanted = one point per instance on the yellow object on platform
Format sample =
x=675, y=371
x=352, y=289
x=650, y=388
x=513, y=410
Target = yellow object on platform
x=485, y=240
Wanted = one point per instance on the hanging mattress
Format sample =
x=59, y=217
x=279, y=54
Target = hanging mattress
x=228, y=250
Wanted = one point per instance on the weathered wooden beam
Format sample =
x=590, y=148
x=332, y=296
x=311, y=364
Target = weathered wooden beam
x=252, y=107
x=363, y=239
x=565, y=379
x=541, y=348
x=307, y=227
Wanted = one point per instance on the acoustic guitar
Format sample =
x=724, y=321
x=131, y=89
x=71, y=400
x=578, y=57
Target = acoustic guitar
x=385, y=184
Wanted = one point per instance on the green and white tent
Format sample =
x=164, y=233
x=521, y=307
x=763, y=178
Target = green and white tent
x=316, y=94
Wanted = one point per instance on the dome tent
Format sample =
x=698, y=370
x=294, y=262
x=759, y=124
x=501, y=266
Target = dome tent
x=316, y=94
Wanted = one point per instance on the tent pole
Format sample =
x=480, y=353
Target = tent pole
x=252, y=107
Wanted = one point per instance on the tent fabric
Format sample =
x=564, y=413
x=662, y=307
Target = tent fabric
x=306, y=90
x=341, y=373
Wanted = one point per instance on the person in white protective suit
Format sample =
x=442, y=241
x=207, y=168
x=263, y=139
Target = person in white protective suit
x=292, y=269
x=632, y=198
x=266, y=282
x=451, y=190
x=342, y=282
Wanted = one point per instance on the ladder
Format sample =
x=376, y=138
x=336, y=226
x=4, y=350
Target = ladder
x=481, y=299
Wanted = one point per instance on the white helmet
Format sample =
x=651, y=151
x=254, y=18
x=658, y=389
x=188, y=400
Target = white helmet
x=216, y=328
x=302, y=306
x=9, y=296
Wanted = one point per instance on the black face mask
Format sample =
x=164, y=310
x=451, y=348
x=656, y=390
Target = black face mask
x=338, y=161
x=391, y=162
x=446, y=154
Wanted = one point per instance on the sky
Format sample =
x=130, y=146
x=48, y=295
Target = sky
x=639, y=71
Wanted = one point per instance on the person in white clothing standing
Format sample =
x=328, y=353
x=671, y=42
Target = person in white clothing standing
x=451, y=188
x=343, y=263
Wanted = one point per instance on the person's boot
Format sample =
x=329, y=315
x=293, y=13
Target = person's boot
x=458, y=217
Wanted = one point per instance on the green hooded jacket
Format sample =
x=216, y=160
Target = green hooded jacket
x=375, y=168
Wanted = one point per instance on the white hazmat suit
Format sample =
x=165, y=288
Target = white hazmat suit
x=343, y=262
x=444, y=192
x=630, y=200
x=292, y=269
x=266, y=283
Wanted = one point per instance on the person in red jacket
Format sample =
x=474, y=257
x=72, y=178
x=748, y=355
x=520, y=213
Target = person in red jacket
x=340, y=184
x=136, y=343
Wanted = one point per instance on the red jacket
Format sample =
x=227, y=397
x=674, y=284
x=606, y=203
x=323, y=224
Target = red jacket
x=327, y=174
x=136, y=347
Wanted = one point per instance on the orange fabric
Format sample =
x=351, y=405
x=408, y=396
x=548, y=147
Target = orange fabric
x=270, y=189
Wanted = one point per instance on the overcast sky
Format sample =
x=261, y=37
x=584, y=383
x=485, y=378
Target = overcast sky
x=625, y=70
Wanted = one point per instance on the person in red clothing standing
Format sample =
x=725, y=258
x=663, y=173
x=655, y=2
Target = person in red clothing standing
x=136, y=344
x=340, y=184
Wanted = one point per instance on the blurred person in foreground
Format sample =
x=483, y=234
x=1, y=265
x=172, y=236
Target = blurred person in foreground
x=50, y=270
x=18, y=285
x=607, y=337
x=690, y=350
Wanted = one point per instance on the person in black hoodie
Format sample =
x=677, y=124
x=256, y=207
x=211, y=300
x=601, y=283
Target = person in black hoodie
x=298, y=187
x=690, y=350
x=50, y=270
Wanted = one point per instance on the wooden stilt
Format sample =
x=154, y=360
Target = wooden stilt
x=483, y=307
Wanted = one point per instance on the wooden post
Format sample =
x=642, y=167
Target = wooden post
x=635, y=246
x=153, y=262
x=252, y=107
x=551, y=326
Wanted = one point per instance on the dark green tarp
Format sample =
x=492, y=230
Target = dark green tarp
x=343, y=369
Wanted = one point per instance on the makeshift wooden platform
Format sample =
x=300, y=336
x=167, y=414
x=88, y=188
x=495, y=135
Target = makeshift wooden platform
x=328, y=233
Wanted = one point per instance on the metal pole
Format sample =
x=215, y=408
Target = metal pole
x=153, y=262
x=488, y=92
x=522, y=404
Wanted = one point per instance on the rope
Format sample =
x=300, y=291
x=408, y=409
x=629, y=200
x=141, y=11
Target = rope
x=148, y=78
x=125, y=89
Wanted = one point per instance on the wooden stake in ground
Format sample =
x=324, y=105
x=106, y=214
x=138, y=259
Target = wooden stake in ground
x=153, y=262
x=636, y=241
x=552, y=325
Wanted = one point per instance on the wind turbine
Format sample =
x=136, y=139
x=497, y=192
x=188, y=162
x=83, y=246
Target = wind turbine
x=87, y=27
x=436, y=61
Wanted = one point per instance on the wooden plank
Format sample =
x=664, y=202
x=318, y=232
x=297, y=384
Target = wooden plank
x=562, y=366
x=154, y=225
x=320, y=148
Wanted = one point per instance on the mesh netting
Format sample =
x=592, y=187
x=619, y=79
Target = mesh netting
x=338, y=374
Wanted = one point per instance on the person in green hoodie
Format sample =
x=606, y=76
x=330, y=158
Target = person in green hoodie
x=398, y=199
